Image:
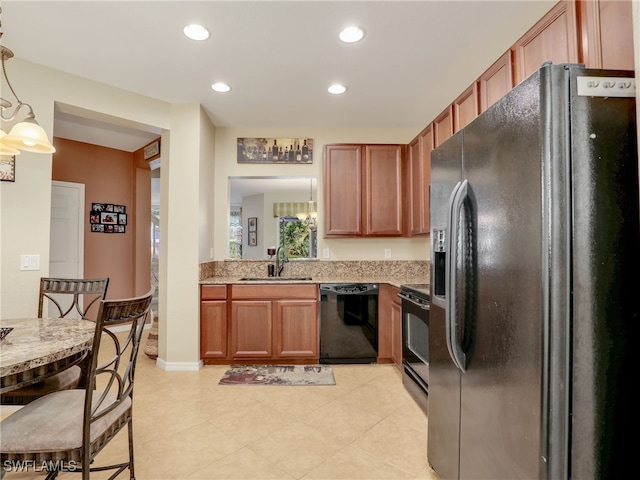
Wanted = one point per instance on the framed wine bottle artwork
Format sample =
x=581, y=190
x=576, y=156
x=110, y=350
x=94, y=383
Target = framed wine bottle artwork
x=275, y=150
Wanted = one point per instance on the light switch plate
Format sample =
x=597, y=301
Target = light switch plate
x=29, y=262
x=325, y=253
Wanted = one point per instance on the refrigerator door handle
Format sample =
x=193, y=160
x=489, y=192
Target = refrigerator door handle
x=449, y=272
x=456, y=203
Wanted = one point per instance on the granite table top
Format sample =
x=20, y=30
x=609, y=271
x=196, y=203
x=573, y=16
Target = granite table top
x=38, y=347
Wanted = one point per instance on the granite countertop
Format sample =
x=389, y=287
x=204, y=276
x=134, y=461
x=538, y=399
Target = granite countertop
x=393, y=272
x=395, y=281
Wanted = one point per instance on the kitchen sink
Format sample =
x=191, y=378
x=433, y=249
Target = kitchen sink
x=274, y=279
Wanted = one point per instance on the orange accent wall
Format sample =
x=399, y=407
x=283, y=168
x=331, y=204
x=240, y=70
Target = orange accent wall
x=111, y=176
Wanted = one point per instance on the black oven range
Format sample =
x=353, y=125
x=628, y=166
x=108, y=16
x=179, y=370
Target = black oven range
x=415, y=340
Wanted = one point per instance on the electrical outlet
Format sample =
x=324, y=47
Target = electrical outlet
x=325, y=253
x=387, y=253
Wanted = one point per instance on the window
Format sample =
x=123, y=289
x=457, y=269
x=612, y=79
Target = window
x=298, y=239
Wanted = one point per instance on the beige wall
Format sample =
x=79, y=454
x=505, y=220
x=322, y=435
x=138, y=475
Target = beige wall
x=340, y=249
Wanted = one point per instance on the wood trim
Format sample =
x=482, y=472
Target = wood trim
x=590, y=53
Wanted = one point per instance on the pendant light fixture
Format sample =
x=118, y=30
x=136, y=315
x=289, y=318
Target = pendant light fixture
x=310, y=217
x=26, y=134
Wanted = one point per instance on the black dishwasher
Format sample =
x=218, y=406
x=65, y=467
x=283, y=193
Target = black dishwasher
x=348, y=322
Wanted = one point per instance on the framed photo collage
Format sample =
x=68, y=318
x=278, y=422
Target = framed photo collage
x=108, y=218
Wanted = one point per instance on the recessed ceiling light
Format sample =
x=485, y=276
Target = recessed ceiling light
x=221, y=87
x=351, y=34
x=337, y=89
x=196, y=32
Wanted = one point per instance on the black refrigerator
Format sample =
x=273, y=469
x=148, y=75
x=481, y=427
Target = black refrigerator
x=535, y=250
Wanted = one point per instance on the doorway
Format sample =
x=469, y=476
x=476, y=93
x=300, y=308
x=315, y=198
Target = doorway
x=66, y=241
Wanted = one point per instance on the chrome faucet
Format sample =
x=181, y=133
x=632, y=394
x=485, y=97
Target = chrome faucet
x=280, y=262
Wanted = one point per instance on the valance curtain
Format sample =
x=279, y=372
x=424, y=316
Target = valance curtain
x=291, y=209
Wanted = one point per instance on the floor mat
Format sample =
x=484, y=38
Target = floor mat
x=278, y=375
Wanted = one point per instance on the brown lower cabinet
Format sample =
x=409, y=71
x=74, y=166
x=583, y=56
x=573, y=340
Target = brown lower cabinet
x=389, y=325
x=269, y=323
x=213, y=322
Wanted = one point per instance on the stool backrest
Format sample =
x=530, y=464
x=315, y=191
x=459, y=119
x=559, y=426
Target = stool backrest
x=71, y=297
x=110, y=377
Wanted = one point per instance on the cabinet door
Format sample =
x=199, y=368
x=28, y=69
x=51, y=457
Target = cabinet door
x=443, y=126
x=251, y=329
x=606, y=29
x=396, y=329
x=413, y=193
x=553, y=39
x=342, y=190
x=296, y=330
x=496, y=81
x=213, y=329
x=383, y=190
x=465, y=107
x=384, y=322
x=418, y=181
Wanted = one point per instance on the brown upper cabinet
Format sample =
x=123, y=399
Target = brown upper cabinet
x=363, y=190
x=553, y=39
x=343, y=190
x=606, y=34
x=465, y=107
x=496, y=82
x=598, y=33
x=443, y=126
x=418, y=181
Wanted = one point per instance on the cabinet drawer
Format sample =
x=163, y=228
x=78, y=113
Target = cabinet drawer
x=213, y=292
x=276, y=292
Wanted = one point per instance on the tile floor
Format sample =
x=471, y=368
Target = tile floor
x=186, y=426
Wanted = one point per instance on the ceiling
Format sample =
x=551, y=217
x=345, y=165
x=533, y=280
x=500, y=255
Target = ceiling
x=279, y=57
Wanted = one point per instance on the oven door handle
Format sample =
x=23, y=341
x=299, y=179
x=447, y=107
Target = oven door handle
x=423, y=306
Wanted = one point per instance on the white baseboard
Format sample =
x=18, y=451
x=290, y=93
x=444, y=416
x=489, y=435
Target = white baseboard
x=179, y=366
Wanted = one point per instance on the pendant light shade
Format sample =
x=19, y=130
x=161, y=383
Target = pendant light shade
x=28, y=136
x=25, y=135
x=6, y=149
